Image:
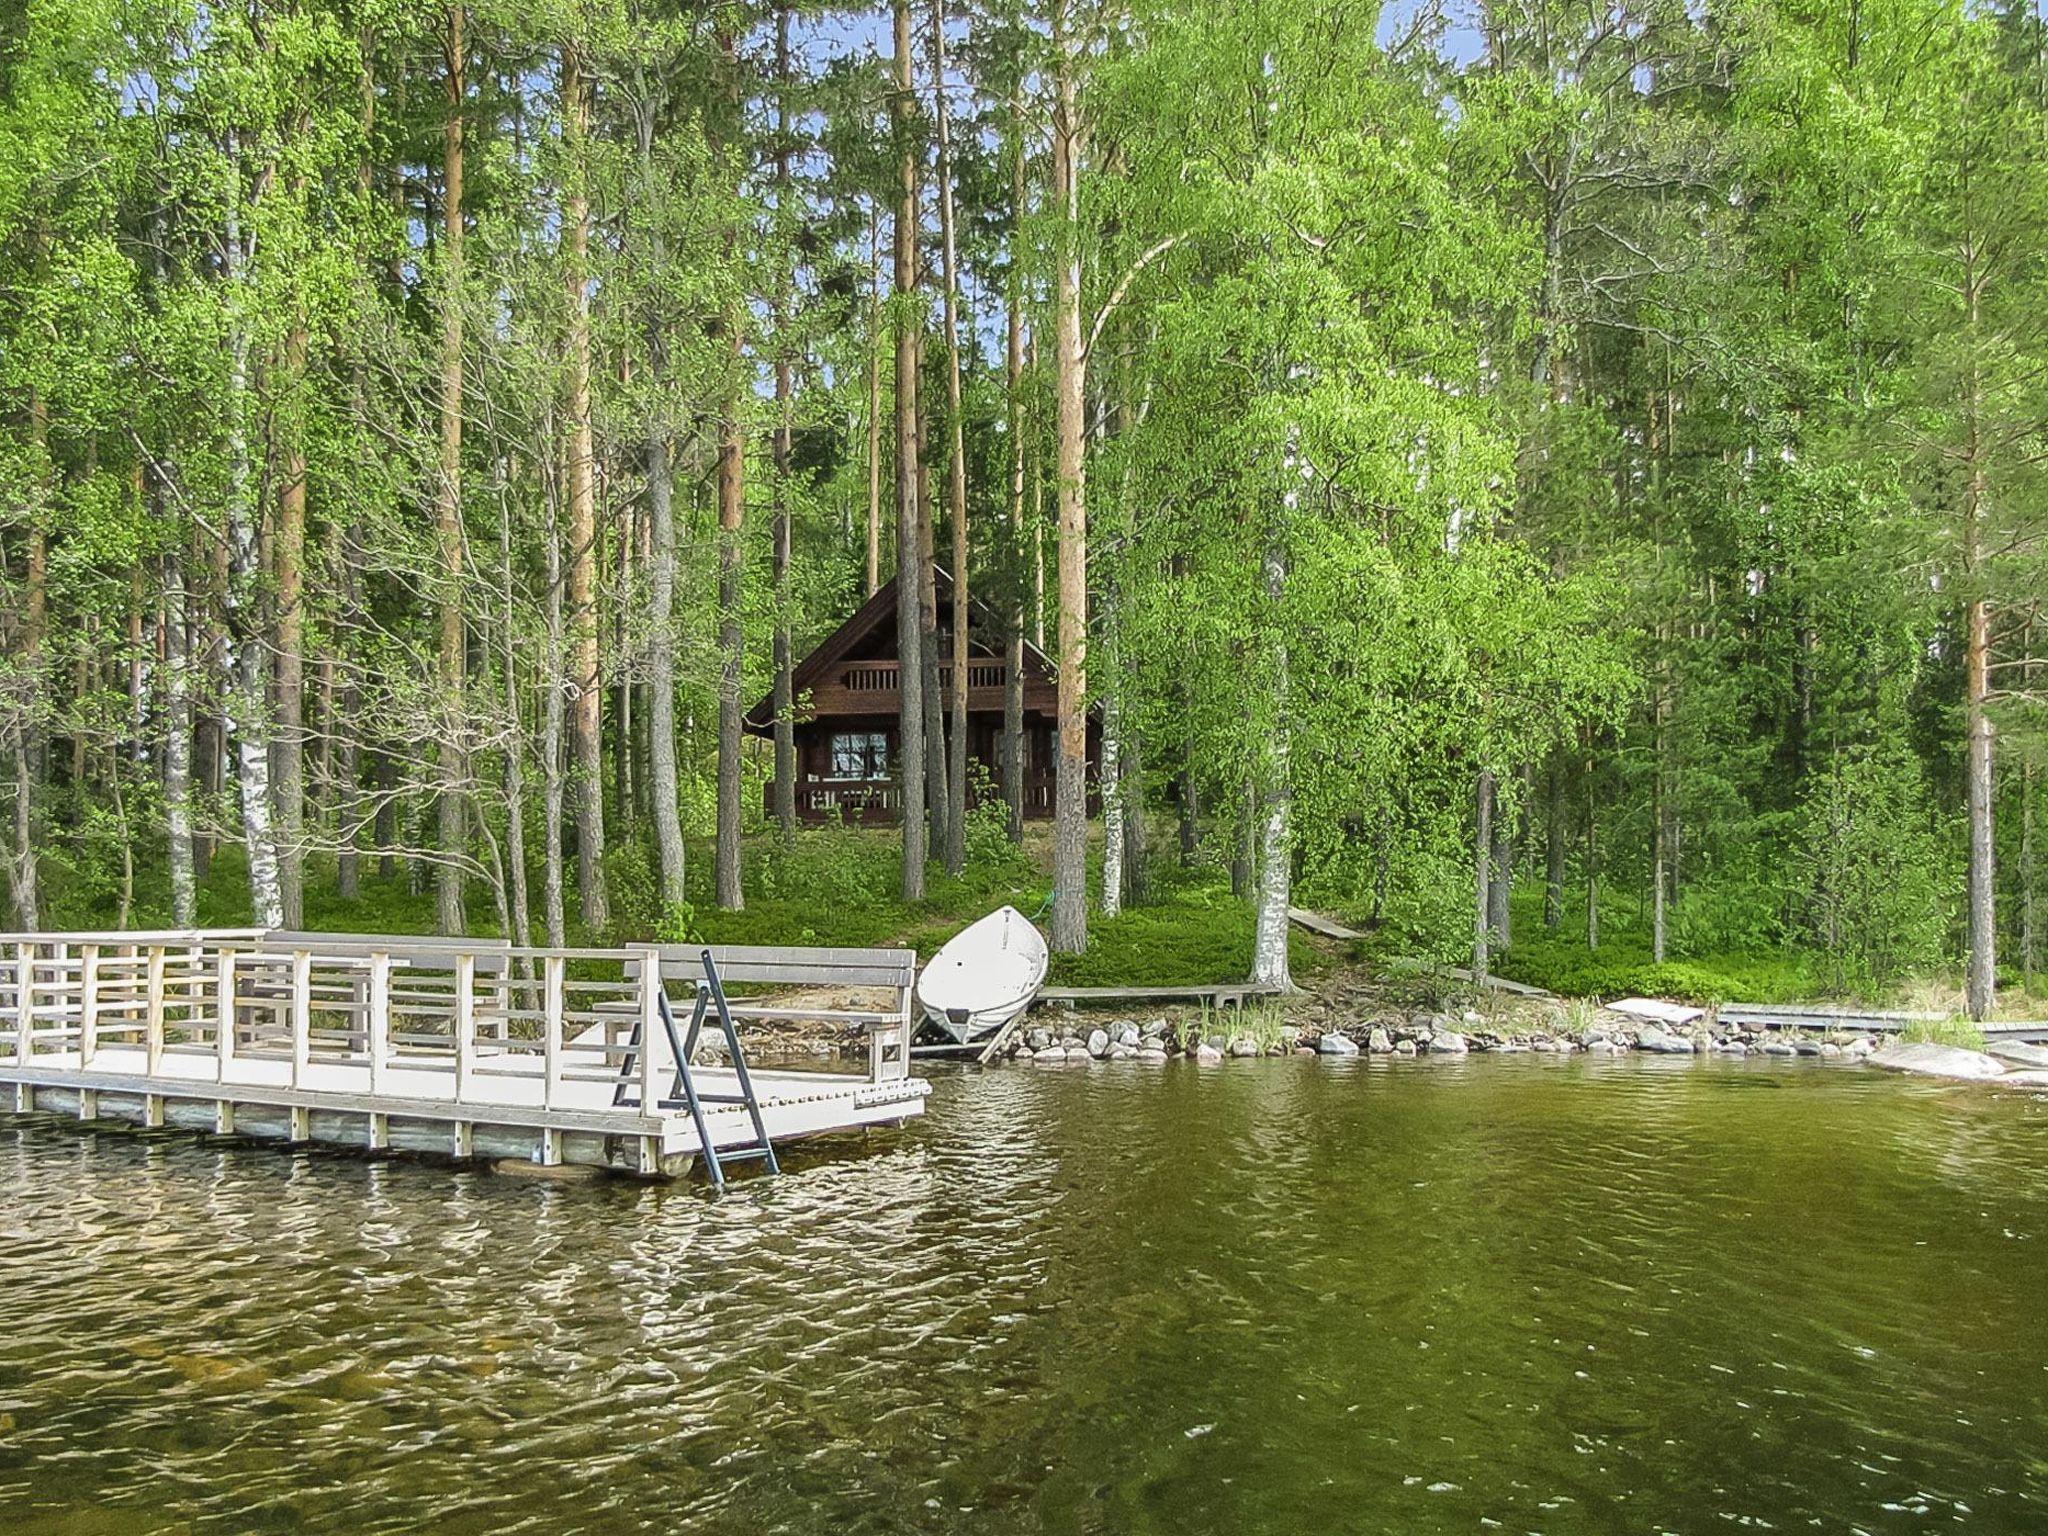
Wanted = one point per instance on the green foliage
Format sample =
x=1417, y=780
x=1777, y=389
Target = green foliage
x=1954, y=1030
x=1557, y=960
x=1878, y=880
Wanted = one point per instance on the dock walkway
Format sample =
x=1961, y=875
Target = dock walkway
x=473, y=1049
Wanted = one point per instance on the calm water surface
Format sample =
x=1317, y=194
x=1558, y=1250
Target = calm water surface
x=1520, y=1295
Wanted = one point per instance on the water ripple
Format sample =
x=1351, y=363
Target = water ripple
x=1549, y=1295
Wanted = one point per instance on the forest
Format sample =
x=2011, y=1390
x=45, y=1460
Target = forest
x=1499, y=469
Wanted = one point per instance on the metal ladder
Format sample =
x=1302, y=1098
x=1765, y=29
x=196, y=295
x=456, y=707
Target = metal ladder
x=684, y=1093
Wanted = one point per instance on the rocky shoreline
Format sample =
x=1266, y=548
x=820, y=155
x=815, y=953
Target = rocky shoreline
x=1420, y=1034
x=1387, y=1029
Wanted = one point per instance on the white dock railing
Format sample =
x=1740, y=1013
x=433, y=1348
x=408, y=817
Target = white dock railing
x=484, y=1008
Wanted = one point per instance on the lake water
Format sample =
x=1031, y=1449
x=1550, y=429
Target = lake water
x=1283, y=1296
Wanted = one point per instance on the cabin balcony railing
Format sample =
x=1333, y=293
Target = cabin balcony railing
x=858, y=799
x=851, y=798
x=881, y=676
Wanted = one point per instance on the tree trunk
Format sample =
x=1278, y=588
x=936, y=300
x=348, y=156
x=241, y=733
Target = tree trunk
x=248, y=680
x=1110, y=775
x=1070, y=833
x=665, y=790
x=1482, y=864
x=731, y=651
x=874, y=572
x=1592, y=865
x=1013, y=374
x=288, y=561
x=1556, y=835
x=25, y=726
x=1276, y=831
x=1137, y=884
x=1501, y=882
x=2030, y=930
x=1243, y=839
x=586, y=718
x=940, y=802
x=910, y=753
x=177, y=746
x=956, y=464
x=348, y=792
x=553, y=726
x=1982, y=988
x=785, y=681
x=448, y=913
x=520, y=930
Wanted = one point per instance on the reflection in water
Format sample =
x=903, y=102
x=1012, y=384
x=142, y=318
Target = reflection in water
x=1529, y=1295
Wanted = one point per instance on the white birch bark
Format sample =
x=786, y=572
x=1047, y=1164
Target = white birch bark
x=247, y=680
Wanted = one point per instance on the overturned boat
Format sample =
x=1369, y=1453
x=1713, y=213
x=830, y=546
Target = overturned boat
x=985, y=976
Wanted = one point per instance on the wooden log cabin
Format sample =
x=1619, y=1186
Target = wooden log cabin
x=846, y=725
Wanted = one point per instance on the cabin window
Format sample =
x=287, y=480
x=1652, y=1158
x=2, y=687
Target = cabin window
x=860, y=755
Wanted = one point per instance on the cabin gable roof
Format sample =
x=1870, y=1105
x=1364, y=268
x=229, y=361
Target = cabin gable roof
x=878, y=616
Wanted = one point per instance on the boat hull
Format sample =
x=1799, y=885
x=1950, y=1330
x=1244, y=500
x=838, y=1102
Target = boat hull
x=984, y=977
x=976, y=1026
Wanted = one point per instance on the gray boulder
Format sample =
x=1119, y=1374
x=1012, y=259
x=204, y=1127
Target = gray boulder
x=1662, y=1042
x=1448, y=1043
x=1379, y=1042
x=1334, y=1044
x=1098, y=1043
x=1930, y=1060
x=2017, y=1053
x=1404, y=1048
x=1205, y=1052
x=1038, y=1039
x=1244, y=1045
x=1124, y=1032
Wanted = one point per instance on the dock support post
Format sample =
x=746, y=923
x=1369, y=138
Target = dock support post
x=549, y=1154
x=302, y=1013
x=224, y=1015
x=24, y=1001
x=465, y=1026
x=380, y=1133
x=380, y=1018
x=88, y=1006
x=24, y=1098
x=88, y=1104
x=465, y=1140
x=223, y=1117
x=152, y=1111
x=650, y=1021
x=301, y=1123
x=551, y=1028
x=647, y=1156
x=153, y=1025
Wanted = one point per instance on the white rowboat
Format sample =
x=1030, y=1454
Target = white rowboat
x=985, y=976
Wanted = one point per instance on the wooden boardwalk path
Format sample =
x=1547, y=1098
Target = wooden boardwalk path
x=467, y=1048
x=1877, y=1022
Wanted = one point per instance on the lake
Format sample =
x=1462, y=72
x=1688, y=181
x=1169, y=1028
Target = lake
x=1518, y=1294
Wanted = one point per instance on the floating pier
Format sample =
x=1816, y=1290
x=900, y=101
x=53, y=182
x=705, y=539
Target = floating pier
x=467, y=1048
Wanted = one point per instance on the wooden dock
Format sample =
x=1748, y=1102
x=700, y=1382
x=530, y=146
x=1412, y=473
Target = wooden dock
x=1869, y=1021
x=468, y=1048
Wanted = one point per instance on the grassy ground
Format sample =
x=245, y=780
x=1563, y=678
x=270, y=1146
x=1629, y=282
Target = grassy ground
x=837, y=886
x=834, y=887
